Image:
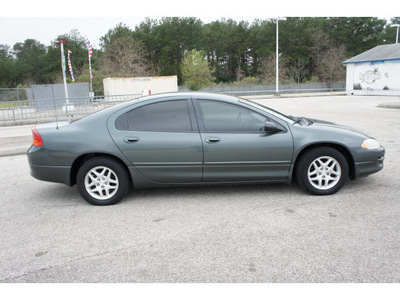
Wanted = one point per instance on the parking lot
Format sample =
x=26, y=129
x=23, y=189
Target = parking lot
x=253, y=233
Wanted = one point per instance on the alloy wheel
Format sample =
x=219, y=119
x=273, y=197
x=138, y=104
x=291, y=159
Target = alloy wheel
x=101, y=183
x=324, y=172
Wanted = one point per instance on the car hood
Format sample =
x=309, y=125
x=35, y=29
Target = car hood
x=327, y=124
x=321, y=121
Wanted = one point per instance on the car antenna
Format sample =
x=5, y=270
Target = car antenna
x=55, y=112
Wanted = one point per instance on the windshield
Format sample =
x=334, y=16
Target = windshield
x=288, y=119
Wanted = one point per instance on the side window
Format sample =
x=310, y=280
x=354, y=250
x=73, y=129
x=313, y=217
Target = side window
x=163, y=116
x=219, y=116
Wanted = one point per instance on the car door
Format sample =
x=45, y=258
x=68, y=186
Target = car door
x=161, y=140
x=236, y=147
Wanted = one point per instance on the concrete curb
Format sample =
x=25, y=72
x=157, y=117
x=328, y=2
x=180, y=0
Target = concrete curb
x=301, y=95
x=15, y=140
x=395, y=105
x=26, y=122
x=13, y=151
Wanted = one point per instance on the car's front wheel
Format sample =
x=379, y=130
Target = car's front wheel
x=102, y=181
x=322, y=171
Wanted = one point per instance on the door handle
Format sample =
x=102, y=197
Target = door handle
x=131, y=139
x=212, y=140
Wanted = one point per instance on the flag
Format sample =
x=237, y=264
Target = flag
x=90, y=51
x=70, y=65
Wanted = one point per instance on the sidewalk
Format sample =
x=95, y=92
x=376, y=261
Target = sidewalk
x=298, y=95
x=15, y=140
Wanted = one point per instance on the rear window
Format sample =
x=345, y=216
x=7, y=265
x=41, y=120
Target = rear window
x=162, y=116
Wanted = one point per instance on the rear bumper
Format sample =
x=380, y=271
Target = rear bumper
x=60, y=174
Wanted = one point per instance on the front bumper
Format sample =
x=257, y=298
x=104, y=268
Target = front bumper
x=373, y=164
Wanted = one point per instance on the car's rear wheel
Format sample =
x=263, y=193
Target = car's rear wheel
x=322, y=171
x=102, y=181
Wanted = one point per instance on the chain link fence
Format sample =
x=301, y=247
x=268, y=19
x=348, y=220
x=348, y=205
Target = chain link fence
x=15, y=94
x=238, y=90
x=60, y=109
x=19, y=103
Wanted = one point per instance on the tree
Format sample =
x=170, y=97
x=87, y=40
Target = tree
x=267, y=69
x=330, y=68
x=261, y=42
x=31, y=61
x=174, y=37
x=294, y=42
x=79, y=57
x=226, y=42
x=77, y=45
x=357, y=34
x=327, y=58
x=196, y=71
x=233, y=49
x=97, y=81
x=298, y=69
x=120, y=31
x=389, y=34
x=123, y=54
x=125, y=57
x=146, y=33
x=7, y=68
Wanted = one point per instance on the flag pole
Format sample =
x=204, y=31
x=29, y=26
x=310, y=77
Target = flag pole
x=68, y=107
x=70, y=65
x=90, y=51
x=61, y=42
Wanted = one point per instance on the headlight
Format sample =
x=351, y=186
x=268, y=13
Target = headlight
x=370, y=144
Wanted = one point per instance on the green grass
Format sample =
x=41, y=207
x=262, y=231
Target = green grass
x=13, y=104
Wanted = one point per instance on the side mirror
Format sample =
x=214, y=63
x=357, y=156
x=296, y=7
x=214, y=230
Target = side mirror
x=271, y=127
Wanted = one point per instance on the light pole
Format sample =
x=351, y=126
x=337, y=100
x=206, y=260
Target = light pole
x=397, y=35
x=277, y=55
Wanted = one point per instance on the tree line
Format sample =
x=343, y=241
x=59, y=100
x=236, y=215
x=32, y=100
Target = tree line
x=311, y=49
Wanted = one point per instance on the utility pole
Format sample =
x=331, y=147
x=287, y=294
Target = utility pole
x=277, y=55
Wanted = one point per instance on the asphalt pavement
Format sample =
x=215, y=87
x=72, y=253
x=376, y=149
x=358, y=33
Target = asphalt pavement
x=252, y=233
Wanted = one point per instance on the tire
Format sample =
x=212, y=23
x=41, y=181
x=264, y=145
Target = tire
x=102, y=181
x=322, y=171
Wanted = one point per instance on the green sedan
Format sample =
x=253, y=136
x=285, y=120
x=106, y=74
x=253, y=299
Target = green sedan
x=197, y=139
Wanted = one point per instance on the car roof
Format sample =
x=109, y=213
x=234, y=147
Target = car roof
x=162, y=96
x=195, y=95
x=182, y=95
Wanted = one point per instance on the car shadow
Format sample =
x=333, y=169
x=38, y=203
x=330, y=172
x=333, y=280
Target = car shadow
x=214, y=191
x=55, y=194
x=61, y=195
x=271, y=190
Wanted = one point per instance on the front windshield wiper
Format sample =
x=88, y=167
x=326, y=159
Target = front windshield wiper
x=300, y=120
x=303, y=121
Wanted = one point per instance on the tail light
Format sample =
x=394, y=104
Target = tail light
x=37, y=139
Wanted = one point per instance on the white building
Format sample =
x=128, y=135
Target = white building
x=140, y=85
x=374, y=72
